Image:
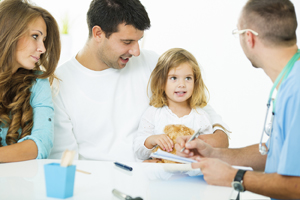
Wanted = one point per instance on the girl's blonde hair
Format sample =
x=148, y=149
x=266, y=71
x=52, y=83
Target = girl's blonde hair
x=158, y=79
x=15, y=109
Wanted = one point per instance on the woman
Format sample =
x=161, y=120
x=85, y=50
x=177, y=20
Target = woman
x=30, y=49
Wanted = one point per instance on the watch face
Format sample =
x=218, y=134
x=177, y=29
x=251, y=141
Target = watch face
x=237, y=186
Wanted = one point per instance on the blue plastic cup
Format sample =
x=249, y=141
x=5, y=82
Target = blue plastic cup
x=59, y=180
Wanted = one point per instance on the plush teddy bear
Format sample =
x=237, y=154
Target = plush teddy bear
x=173, y=131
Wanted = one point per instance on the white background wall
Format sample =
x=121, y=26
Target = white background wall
x=238, y=92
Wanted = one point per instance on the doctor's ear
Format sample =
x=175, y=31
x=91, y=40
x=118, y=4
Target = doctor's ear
x=98, y=33
x=250, y=39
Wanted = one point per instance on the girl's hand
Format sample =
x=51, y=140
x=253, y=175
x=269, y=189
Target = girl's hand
x=161, y=140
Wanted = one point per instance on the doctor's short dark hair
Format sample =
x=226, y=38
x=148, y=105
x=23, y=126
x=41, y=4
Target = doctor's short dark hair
x=274, y=20
x=108, y=14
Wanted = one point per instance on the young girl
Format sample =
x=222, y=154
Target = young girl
x=178, y=96
x=30, y=49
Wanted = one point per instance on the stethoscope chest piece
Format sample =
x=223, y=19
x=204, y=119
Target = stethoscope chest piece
x=263, y=150
x=268, y=129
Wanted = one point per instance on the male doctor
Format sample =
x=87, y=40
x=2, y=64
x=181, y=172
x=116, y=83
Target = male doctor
x=267, y=31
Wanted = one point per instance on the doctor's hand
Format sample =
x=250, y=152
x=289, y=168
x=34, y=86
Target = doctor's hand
x=194, y=149
x=215, y=171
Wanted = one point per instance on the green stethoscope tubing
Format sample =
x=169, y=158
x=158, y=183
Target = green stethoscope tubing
x=281, y=77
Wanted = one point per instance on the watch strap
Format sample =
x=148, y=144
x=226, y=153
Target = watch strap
x=239, y=175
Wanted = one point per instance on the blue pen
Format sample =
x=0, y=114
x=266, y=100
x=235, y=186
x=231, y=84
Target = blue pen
x=123, y=166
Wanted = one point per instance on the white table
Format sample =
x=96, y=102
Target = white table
x=25, y=180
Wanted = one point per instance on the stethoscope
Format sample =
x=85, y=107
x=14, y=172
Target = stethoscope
x=269, y=127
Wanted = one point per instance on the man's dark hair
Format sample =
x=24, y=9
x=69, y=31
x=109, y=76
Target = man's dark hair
x=108, y=14
x=274, y=20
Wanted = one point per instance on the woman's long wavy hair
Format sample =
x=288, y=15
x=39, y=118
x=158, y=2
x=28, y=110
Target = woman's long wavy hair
x=158, y=79
x=15, y=109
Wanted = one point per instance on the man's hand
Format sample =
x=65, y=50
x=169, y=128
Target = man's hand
x=194, y=149
x=215, y=171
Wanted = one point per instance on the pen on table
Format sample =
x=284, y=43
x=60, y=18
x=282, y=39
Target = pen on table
x=123, y=166
x=84, y=172
x=196, y=134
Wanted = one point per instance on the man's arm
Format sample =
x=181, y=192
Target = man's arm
x=63, y=128
x=218, y=139
x=215, y=119
x=217, y=172
x=273, y=185
x=247, y=156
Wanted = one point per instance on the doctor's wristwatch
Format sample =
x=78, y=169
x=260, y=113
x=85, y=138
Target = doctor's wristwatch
x=237, y=183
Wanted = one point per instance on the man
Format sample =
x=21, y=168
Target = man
x=267, y=35
x=103, y=89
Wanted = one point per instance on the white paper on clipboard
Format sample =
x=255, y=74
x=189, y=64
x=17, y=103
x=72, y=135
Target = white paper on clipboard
x=168, y=156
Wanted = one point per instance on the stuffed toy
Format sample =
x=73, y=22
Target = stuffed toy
x=174, y=131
